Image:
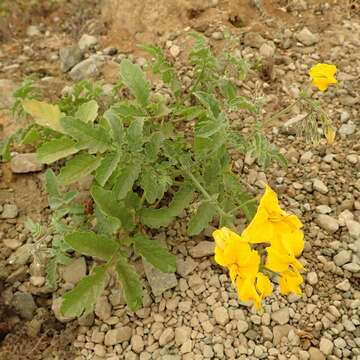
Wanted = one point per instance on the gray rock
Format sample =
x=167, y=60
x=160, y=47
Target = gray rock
x=174, y=51
x=281, y=331
x=343, y=257
x=55, y=307
x=159, y=281
x=242, y=326
x=166, y=336
x=352, y=158
x=352, y=267
x=202, y=249
x=74, y=272
x=344, y=285
x=316, y=354
x=137, y=343
x=103, y=308
x=69, y=57
x=306, y=157
x=86, y=42
x=306, y=37
x=33, y=30
x=185, y=267
x=345, y=216
x=10, y=211
x=354, y=228
x=118, y=335
x=253, y=39
x=86, y=68
x=312, y=278
x=25, y=163
x=326, y=346
x=319, y=186
x=267, y=50
x=281, y=316
x=24, y=305
x=21, y=256
x=221, y=315
x=323, y=209
x=327, y=223
x=182, y=333
x=347, y=129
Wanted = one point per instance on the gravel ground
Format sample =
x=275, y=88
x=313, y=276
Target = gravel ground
x=196, y=314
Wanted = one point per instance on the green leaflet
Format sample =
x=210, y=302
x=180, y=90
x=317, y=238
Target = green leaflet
x=90, y=244
x=156, y=218
x=126, y=179
x=154, y=253
x=46, y=115
x=154, y=185
x=56, y=149
x=108, y=204
x=131, y=284
x=81, y=300
x=116, y=125
x=88, y=111
x=88, y=136
x=135, y=135
x=133, y=77
x=200, y=220
x=78, y=167
x=107, y=167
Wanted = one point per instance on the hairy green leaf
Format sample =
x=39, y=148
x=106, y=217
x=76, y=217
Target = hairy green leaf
x=108, y=204
x=88, y=136
x=126, y=179
x=156, y=218
x=131, y=284
x=56, y=149
x=209, y=101
x=78, y=167
x=46, y=115
x=107, y=167
x=90, y=244
x=154, y=185
x=154, y=253
x=116, y=125
x=200, y=220
x=82, y=299
x=134, y=78
x=88, y=111
x=135, y=134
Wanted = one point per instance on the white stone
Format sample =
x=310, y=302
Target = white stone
x=202, y=249
x=343, y=257
x=137, y=343
x=221, y=315
x=312, y=278
x=166, y=336
x=281, y=316
x=319, y=186
x=344, y=285
x=74, y=272
x=118, y=335
x=87, y=41
x=354, y=229
x=242, y=326
x=326, y=346
x=174, y=51
x=327, y=223
x=306, y=37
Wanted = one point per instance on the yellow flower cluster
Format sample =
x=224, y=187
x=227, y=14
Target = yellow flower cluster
x=284, y=241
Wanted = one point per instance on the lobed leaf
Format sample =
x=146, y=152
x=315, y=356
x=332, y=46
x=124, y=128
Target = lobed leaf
x=126, y=180
x=201, y=219
x=90, y=244
x=87, y=112
x=108, y=165
x=131, y=284
x=56, y=149
x=82, y=298
x=154, y=253
x=78, y=167
x=134, y=78
x=88, y=136
x=44, y=114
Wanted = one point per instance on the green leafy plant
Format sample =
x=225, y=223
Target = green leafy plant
x=150, y=155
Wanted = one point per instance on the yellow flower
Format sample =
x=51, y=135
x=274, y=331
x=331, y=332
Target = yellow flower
x=243, y=263
x=290, y=282
x=323, y=75
x=270, y=221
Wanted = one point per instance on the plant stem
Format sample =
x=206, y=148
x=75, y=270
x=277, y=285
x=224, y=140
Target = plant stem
x=281, y=112
x=205, y=193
